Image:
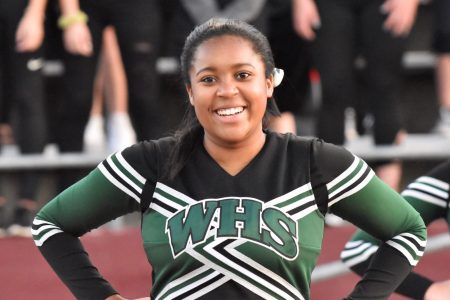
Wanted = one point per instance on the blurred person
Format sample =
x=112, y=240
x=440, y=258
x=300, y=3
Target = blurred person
x=441, y=45
x=21, y=60
x=339, y=31
x=295, y=60
x=230, y=209
x=429, y=195
x=137, y=27
x=110, y=93
x=189, y=13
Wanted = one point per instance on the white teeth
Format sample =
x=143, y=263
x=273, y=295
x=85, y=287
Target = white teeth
x=230, y=111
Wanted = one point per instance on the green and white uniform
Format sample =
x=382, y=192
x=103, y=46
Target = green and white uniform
x=429, y=195
x=210, y=235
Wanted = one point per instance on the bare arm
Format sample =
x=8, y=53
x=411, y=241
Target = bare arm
x=401, y=16
x=30, y=31
x=438, y=291
x=306, y=18
x=77, y=37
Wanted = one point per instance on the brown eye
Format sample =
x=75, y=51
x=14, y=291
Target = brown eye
x=242, y=75
x=207, y=79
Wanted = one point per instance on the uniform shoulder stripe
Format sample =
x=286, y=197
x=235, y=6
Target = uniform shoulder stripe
x=428, y=189
x=43, y=230
x=121, y=174
x=352, y=180
x=356, y=252
x=434, y=182
x=409, y=245
x=297, y=203
x=167, y=200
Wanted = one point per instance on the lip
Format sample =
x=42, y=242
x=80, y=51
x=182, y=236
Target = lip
x=230, y=118
x=230, y=110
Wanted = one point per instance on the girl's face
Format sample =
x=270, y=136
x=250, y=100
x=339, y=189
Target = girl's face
x=229, y=90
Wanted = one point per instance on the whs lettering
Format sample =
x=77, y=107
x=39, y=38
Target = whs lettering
x=233, y=218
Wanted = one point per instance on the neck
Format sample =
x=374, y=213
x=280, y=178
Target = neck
x=234, y=157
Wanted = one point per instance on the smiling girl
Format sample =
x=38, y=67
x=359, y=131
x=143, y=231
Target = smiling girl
x=230, y=210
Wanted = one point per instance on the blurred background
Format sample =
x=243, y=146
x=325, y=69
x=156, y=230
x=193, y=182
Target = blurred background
x=69, y=99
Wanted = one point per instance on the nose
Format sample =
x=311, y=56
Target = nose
x=227, y=88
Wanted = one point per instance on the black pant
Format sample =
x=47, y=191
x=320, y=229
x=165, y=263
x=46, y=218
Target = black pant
x=22, y=91
x=137, y=27
x=441, y=38
x=349, y=28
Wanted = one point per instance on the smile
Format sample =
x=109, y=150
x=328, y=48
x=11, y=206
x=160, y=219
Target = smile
x=230, y=111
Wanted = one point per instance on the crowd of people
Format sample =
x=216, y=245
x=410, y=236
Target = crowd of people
x=110, y=91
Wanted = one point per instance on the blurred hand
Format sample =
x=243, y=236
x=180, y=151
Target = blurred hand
x=401, y=16
x=306, y=18
x=78, y=39
x=30, y=32
x=438, y=291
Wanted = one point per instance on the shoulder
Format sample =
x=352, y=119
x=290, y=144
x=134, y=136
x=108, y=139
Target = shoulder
x=146, y=157
x=289, y=140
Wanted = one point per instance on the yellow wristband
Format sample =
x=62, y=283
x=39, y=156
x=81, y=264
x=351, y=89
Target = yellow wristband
x=66, y=21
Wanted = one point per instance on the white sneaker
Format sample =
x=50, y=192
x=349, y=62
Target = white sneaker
x=443, y=124
x=94, y=134
x=120, y=132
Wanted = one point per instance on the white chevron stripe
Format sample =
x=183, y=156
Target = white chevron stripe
x=289, y=195
x=297, y=203
x=424, y=197
x=344, y=174
x=37, y=221
x=191, y=286
x=129, y=168
x=433, y=181
x=161, y=210
x=405, y=252
x=304, y=212
x=244, y=271
x=122, y=175
x=231, y=248
x=229, y=274
x=354, y=190
x=208, y=288
x=167, y=201
x=175, y=193
x=352, y=244
x=362, y=257
x=429, y=189
x=46, y=236
x=181, y=280
x=42, y=228
x=411, y=245
x=350, y=182
x=350, y=252
x=119, y=185
x=422, y=243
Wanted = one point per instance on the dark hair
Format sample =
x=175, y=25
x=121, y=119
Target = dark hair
x=190, y=132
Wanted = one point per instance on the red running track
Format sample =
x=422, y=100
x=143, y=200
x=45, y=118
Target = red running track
x=24, y=274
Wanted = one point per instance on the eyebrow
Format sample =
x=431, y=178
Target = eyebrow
x=239, y=65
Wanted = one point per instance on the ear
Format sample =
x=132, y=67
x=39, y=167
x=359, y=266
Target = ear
x=189, y=91
x=269, y=86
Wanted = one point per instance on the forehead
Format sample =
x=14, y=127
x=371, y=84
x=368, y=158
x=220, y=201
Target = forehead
x=229, y=46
